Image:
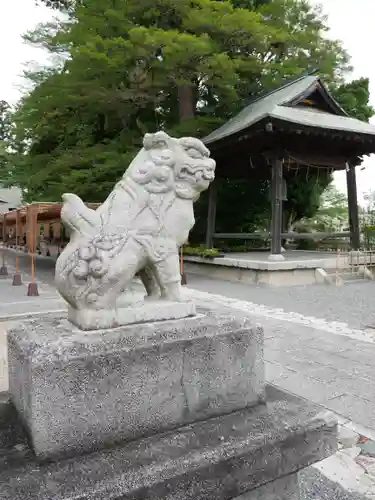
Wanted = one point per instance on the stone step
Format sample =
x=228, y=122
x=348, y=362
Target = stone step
x=358, y=280
x=347, y=276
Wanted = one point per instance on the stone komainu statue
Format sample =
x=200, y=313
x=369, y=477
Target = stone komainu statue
x=138, y=229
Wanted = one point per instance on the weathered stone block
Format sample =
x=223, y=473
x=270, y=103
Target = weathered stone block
x=77, y=391
x=252, y=454
x=141, y=311
x=285, y=488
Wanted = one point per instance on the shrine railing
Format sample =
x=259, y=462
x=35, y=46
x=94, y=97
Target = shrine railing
x=289, y=235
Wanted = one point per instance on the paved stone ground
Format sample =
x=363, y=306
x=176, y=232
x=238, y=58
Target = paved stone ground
x=15, y=302
x=3, y=358
x=309, y=351
x=351, y=302
x=325, y=362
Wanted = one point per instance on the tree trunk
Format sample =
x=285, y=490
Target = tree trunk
x=186, y=104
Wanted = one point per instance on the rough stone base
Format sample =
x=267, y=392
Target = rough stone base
x=140, y=312
x=17, y=280
x=285, y=488
x=254, y=276
x=32, y=290
x=77, y=391
x=252, y=454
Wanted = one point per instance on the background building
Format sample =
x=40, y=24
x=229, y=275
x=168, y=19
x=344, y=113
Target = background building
x=10, y=198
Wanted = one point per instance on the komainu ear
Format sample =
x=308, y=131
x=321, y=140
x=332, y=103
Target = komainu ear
x=158, y=140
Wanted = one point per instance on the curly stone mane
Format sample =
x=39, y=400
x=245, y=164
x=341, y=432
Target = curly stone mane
x=145, y=218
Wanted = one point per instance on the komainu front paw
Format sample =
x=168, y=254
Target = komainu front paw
x=172, y=292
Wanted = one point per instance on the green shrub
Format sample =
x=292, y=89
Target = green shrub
x=201, y=251
x=307, y=244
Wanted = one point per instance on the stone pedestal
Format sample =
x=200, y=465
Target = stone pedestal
x=78, y=391
x=168, y=410
x=141, y=311
x=252, y=454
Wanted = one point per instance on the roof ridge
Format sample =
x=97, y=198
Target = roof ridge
x=287, y=83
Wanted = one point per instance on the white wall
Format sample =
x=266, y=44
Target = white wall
x=10, y=198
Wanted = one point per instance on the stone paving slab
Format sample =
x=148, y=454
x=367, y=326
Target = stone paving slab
x=319, y=361
x=14, y=301
x=3, y=358
x=351, y=303
x=355, y=408
x=353, y=466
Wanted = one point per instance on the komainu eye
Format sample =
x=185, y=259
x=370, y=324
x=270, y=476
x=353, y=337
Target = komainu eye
x=159, y=144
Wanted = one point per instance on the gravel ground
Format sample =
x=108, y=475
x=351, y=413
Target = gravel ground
x=352, y=303
x=315, y=486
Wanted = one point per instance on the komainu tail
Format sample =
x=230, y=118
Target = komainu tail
x=77, y=216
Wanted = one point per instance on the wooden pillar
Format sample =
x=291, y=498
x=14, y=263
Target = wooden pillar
x=18, y=227
x=351, y=184
x=56, y=230
x=24, y=232
x=211, y=215
x=32, y=228
x=277, y=209
x=4, y=228
x=3, y=268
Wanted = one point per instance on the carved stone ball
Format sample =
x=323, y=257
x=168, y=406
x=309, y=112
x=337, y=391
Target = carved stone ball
x=92, y=298
x=81, y=270
x=162, y=174
x=97, y=268
x=87, y=253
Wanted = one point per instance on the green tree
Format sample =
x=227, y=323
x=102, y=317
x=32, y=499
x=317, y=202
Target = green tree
x=331, y=214
x=5, y=120
x=354, y=98
x=304, y=190
x=5, y=134
x=367, y=220
x=135, y=65
x=61, y=5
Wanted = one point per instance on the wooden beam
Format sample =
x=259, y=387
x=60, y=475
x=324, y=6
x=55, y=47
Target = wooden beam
x=241, y=236
x=320, y=160
x=289, y=236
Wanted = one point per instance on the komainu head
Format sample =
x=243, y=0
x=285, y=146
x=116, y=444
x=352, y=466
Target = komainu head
x=166, y=164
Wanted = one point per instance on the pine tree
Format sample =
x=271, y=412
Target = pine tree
x=126, y=67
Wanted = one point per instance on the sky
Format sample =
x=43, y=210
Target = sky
x=351, y=22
